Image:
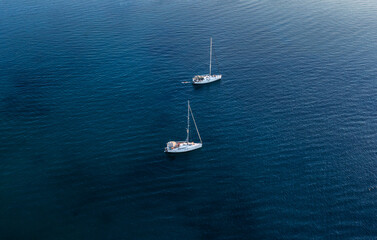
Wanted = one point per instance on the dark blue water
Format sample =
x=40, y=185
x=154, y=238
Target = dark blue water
x=91, y=91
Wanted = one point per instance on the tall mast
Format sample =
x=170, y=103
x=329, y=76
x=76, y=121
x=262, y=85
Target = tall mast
x=188, y=120
x=197, y=131
x=210, y=57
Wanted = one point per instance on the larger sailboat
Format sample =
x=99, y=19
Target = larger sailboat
x=207, y=78
x=185, y=146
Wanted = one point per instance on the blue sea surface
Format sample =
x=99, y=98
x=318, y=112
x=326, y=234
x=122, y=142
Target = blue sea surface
x=91, y=91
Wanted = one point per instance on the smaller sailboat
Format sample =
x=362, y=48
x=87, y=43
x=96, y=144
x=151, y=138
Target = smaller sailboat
x=185, y=146
x=207, y=78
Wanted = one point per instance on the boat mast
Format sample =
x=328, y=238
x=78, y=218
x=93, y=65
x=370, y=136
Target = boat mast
x=188, y=120
x=210, y=57
x=195, y=125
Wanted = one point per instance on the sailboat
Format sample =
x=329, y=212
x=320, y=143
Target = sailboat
x=207, y=78
x=185, y=146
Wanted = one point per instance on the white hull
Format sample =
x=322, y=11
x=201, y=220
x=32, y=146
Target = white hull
x=183, y=147
x=197, y=80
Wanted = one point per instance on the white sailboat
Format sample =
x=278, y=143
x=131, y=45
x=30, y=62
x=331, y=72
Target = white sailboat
x=207, y=78
x=184, y=146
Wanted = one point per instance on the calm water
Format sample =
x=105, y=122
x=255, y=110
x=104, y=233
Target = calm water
x=91, y=91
